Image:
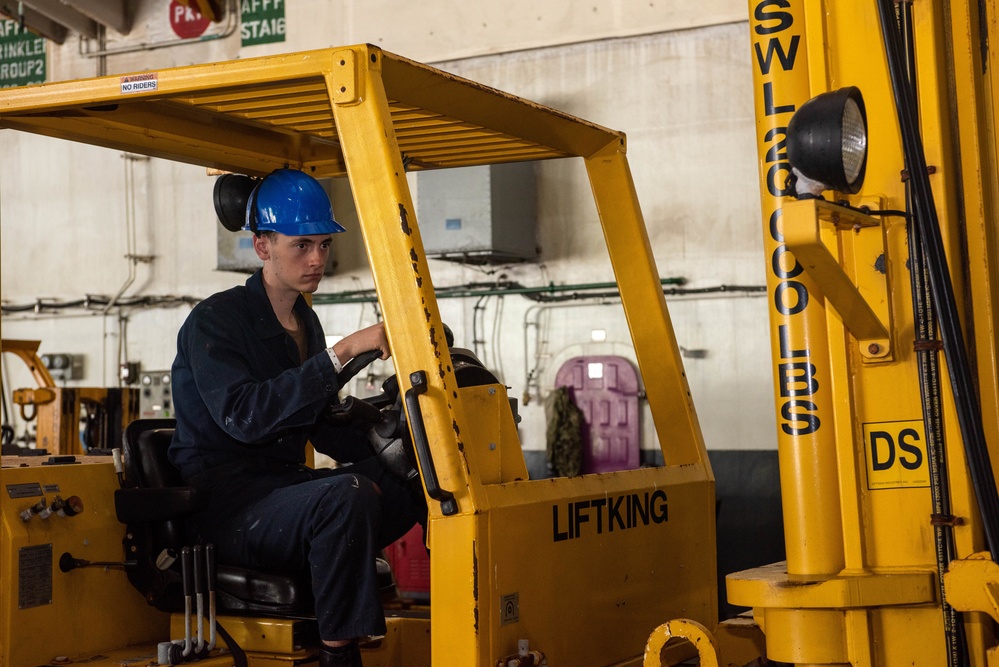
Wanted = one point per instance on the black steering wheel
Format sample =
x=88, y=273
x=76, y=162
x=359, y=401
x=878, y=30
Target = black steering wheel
x=388, y=430
x=355, y=366
x=352, y=408
x=383, y=416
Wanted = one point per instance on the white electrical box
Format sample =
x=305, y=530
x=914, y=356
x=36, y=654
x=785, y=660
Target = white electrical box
x=479, y=215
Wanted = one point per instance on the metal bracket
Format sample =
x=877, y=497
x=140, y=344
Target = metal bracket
x=343, y=80
x=862, y=305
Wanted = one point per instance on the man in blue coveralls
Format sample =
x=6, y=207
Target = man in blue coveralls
x=252, y=379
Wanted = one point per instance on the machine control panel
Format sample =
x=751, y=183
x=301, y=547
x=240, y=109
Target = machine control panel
x=155, y=398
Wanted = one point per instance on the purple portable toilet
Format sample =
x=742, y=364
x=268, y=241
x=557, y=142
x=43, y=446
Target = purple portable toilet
x=605, y=388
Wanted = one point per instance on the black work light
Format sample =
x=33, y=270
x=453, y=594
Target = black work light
x=827, y=140
x=230, y=195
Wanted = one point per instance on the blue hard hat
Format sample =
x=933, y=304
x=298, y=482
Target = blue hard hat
x=292, y=203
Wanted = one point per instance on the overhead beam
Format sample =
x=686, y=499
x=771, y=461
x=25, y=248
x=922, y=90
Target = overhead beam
x=112, y=13
x=35, y=21
x=65, y=15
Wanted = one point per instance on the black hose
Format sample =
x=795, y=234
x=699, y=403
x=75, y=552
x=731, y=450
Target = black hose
x=238, y=655
x=925, y=218
x=928, y=364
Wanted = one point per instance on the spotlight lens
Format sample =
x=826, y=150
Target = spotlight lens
x=827, y=141
x=854, y=141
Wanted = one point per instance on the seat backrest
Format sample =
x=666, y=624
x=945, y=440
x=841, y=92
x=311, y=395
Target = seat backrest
x=157, y=471
x=145, y=444
x=147, y=466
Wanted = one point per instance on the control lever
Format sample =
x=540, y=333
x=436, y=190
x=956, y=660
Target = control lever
x=178, y=654
x=212, y=573
x=68, y=563
x=37, y=508
x=166, y=559
x=199, y=594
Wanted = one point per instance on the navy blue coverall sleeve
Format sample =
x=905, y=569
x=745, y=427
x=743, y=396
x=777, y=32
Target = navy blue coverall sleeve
x=250, y=406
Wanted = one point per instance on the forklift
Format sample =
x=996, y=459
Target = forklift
x=561, y=571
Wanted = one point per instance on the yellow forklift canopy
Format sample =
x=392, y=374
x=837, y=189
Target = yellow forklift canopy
x=255, y=115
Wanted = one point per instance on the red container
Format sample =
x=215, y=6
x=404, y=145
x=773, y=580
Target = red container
x=410, y=565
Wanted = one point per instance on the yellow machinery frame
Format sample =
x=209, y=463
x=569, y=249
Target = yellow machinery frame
x=584, y=568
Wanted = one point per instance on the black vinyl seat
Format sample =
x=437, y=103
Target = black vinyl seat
x=156, y=505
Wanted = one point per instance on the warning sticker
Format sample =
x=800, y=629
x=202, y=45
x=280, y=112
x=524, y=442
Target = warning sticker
x=139, y=83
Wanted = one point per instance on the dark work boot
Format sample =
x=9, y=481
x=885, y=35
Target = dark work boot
x=340, y=656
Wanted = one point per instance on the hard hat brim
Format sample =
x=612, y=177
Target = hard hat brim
x=312, y=228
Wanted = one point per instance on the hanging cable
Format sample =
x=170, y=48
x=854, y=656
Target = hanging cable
x=928, y=365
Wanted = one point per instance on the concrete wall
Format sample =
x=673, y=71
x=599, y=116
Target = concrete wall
x=675, y=76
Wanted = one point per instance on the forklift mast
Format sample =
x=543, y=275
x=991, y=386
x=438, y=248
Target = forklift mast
x=884, y=313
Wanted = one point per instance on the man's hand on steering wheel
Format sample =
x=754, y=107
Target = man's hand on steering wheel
x=369, y=338
x=358, y=350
